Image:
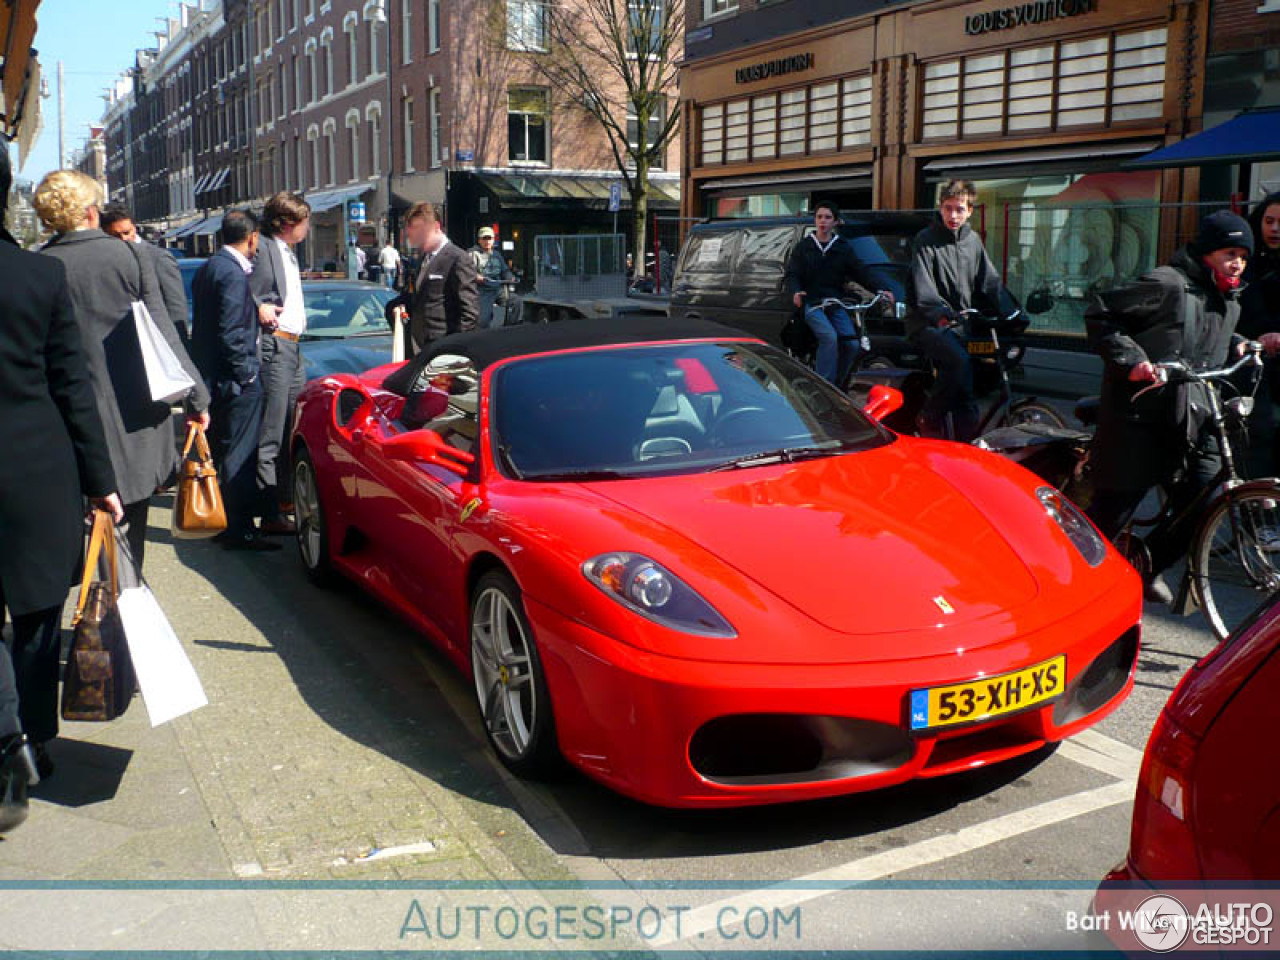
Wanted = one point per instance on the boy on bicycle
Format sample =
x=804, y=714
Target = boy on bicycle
x=1186, y=310
x=951, y=273
x=818, y=269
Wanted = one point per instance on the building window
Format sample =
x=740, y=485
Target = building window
x=406, y=31
x=433, y=25
x=328, y=67
x=527, y=113
x=645, y=27
x=353, y=145
x=315, y=158
x=855, y=112
x=297, y=84
x=375, y=141
x=713, y=134
x=315, y=77
x=714, y=8
x=283, y=85
x=353, y=53
x=764, y=127
x=824, y=117
x=527, y=24
x=436, y=143
x=375, y=39
x=406, y=114
x=1093, y=82
x=656, y=121
x=331, y=148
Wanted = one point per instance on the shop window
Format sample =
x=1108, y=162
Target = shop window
x=737, y=130
x=764, y=127
x=713, y=134
x=855, y=117
x=824, y=117
x=791, y=123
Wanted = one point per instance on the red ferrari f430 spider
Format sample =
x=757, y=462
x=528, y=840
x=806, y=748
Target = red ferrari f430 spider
x=675, y=557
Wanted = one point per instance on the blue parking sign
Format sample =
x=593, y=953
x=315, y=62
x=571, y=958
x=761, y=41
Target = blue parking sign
x=615, y=197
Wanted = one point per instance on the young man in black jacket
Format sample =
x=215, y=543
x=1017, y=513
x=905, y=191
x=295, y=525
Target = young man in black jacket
x=819, y=267
x=951, y=272
x=1186, y=310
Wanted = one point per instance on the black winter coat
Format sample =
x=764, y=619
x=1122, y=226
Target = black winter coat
x=951, y=272
x=1175, y=312
x=1260, y=306
x=51, y=435
x=821, y=275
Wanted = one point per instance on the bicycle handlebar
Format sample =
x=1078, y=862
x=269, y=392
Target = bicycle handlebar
x=850, y=305
x=1178, y=371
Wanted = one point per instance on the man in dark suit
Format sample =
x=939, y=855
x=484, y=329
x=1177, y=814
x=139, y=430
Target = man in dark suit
x=224, y=345
x=118, y=222
x=55, y=453
x=444, y=299
x=277, y=291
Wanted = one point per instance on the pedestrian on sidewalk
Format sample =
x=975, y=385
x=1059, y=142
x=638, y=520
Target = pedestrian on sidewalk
x=491, y=274
x=55, y=453
x=277, y=289
x=389, y=261
x=225, y=337
x=118, y=222
x=104, y=278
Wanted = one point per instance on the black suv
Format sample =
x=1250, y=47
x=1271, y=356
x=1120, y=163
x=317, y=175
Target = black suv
x=733, y=271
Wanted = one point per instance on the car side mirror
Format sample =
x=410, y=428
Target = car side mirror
x=429, y=446
x=882, y=401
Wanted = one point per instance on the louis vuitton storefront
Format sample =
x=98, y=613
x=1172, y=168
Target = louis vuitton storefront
x=1039, y=103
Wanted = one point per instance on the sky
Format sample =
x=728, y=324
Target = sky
x=95, y=40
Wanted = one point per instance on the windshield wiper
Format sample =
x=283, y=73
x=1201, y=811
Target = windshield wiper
x=582, y=476
x=769, y=457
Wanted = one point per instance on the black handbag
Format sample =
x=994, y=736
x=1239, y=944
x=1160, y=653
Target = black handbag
x=99, y=680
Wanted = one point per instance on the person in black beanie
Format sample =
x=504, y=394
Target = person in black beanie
x=1186, y=310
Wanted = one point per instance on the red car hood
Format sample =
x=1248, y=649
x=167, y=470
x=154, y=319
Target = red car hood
x=866, y=543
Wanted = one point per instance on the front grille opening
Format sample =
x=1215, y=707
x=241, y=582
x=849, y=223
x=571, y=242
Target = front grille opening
x=1100, y=681
x=760, y=749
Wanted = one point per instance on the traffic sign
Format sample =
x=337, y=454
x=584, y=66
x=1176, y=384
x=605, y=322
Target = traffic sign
x=615, y=197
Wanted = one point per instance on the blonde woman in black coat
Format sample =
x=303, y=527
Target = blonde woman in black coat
x=54, y=454
x=104, y=277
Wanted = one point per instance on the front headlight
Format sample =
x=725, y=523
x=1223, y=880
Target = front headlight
x=1074, y=524
x=649, y=589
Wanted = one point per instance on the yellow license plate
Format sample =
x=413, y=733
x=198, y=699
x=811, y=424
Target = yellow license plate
x=989, y=697
x=981, y=347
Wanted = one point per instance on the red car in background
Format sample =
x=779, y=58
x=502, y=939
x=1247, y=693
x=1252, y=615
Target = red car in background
x=1206, y=816
x=672, y=555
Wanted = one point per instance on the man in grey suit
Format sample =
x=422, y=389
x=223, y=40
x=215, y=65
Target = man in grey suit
x=444, y=298
x=118, y=222
x=277, y=289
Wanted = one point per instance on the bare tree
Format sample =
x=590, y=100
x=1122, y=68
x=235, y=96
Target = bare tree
x=620, y=57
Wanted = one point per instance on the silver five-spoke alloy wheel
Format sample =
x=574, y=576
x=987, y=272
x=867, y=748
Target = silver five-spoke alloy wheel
x=504, y=673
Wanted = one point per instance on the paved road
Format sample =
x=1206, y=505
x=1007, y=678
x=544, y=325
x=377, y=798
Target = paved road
x=339, y=746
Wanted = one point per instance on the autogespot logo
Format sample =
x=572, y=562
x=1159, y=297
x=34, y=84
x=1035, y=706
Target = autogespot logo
x=1161, y=923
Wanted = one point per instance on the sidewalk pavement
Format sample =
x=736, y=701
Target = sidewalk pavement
x=326, y=751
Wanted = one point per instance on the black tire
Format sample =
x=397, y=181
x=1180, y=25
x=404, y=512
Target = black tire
x=1030, y=411
x=1234, y=562
x=312, y=530
x=506, y=671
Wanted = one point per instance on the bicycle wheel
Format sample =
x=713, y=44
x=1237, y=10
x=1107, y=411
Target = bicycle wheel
x=1032, y=412
x=1235, y=556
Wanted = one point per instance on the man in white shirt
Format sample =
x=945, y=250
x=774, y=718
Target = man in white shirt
x=277, y=290
x=389, y=261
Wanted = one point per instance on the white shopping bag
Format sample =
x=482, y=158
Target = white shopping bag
x=165, y=375
x=170, y=687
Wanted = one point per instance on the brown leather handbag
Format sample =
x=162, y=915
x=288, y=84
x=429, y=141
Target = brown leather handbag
x=99, y=680
x=198, y=510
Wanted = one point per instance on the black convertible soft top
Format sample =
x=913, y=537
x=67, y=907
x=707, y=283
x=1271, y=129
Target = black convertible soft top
x=487, y=347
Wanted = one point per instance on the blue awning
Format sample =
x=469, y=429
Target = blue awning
x=1250, y=137
x=323, y=200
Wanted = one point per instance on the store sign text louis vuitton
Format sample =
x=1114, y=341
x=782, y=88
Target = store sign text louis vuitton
x=1042, y=11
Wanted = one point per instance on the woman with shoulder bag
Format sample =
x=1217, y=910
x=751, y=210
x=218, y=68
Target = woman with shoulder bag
x=104, y=278
x=55, y=454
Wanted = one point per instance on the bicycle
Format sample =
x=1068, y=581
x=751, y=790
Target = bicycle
x=1005, y=412
x=1235, y=550
x=801, y=344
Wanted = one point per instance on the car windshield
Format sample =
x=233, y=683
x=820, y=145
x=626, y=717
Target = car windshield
x=670, y=408
x=344, y=312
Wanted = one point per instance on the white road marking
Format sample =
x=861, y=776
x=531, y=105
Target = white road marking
x=877, y=866
x=1101, y=753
